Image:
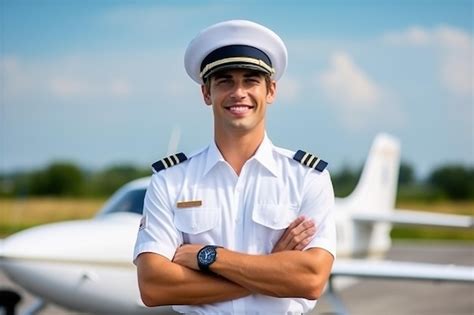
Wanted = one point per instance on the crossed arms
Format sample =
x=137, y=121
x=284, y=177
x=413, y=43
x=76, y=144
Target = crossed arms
x=287, y=272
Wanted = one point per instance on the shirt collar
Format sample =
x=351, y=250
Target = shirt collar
x=264, y=156
x=214, y=156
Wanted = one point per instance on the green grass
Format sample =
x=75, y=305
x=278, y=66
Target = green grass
x=433, y=233
x=20, y=214
x=450, y=207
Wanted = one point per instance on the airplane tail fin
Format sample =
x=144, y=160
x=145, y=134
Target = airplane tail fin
x=374, y=195
x=371, y=206
x=377, y=187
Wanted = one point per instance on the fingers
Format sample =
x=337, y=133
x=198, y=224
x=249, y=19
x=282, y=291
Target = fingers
x=300, y=233
x=297, y=236
x=185, y=255
x=304, y=238
x=285, y=237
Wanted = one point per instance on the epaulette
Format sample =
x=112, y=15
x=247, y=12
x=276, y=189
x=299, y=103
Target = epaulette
x=310, y=160
x=168, y=161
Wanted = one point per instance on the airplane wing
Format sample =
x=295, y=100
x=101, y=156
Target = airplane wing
x=385, y=269
x=412, y=217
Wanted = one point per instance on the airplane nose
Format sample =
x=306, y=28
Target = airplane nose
x=1, y=253
x=71, y=263
x=36, y=243
x=73, y=241
x=1, y=248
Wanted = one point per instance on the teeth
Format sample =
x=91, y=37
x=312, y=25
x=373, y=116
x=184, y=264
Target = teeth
x=239, y=109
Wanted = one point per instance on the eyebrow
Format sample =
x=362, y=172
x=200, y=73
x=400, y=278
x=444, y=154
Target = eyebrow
x=222, y=75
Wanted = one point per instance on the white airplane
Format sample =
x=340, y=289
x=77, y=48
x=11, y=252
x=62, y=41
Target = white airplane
x=86, y=265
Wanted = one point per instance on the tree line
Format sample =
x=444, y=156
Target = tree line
x=66, y=179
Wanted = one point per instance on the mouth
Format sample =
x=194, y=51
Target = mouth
x=239, y=109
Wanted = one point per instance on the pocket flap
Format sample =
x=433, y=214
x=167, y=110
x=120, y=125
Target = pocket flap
x=275, y=216
x=195, y=220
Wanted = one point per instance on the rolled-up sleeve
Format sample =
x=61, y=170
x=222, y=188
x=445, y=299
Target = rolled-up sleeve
x=318, y=204
x=157, y=233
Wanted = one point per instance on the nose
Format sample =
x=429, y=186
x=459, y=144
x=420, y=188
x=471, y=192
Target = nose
x=238, y=92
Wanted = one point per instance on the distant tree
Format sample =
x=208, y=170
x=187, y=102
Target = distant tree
x=406, y=175
x=455, y=181
x=345, y=180
x=59, y=179
x=105, y=182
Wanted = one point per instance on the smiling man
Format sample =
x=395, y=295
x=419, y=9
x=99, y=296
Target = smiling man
x=242, y=226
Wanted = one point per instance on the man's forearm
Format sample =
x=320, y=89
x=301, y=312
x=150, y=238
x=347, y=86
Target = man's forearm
x=282, y=274
x=165, y=283
x=287, y=272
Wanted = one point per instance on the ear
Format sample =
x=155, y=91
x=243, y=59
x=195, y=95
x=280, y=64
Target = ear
x=271, y=92
x=206, y=94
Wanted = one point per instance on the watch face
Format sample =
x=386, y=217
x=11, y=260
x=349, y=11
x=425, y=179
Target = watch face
x=207, y=255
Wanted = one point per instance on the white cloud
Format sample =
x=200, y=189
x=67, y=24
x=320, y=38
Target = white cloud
x=453, y=38
x=15, y=79
x=66, y=87
x=455, y=48
x=456, y=73
x=288, y=89
x=347, y=85
x=456, y=69
x=120, y=87
x=412, y=36
x=359, y=102
x=77, y=85
x=157, y=18
x=68, y=78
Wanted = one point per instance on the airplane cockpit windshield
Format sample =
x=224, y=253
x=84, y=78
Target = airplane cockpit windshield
x=130, y=201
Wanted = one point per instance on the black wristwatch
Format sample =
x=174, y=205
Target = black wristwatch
x=207, y=256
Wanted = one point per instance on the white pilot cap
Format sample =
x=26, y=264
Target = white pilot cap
x=235, y=44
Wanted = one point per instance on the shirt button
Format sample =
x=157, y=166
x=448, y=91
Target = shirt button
x=275, y=219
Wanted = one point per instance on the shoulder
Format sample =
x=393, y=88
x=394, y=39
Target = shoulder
x=174, y=160
x=169, y=161
x=303, y=158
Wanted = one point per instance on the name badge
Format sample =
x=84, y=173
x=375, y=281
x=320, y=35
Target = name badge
x=189, y=204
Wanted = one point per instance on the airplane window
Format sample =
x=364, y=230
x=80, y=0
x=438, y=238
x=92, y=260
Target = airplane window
x=132, y=201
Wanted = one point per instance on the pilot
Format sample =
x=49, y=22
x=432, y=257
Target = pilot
x=241, y=226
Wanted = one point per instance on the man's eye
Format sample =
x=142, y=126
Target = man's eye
x=223, y=81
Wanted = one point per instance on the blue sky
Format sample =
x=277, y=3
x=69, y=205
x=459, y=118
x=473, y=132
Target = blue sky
x=103, y=82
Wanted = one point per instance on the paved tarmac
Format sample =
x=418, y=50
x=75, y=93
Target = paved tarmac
x=400, y=297
x=373, y=297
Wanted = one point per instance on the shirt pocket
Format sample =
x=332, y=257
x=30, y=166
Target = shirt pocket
x=275, y=216
x=196, y=220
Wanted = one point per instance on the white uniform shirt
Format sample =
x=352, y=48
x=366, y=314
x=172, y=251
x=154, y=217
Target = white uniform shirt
x=246, y=213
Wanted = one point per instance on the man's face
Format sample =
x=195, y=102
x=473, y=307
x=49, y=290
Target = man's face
x=239, y=99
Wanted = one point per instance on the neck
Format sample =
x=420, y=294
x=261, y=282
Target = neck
x=238, y=148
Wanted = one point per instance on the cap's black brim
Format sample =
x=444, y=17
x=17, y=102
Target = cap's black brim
x=231, y=66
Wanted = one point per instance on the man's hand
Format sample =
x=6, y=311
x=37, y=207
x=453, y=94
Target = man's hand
x=186, y=255
x=297, y=235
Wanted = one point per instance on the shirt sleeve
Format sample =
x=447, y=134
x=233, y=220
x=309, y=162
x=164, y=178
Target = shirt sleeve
x=318, y=204
x=157, y=233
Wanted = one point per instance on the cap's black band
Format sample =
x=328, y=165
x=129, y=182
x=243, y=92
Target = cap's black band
x=235, y=51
